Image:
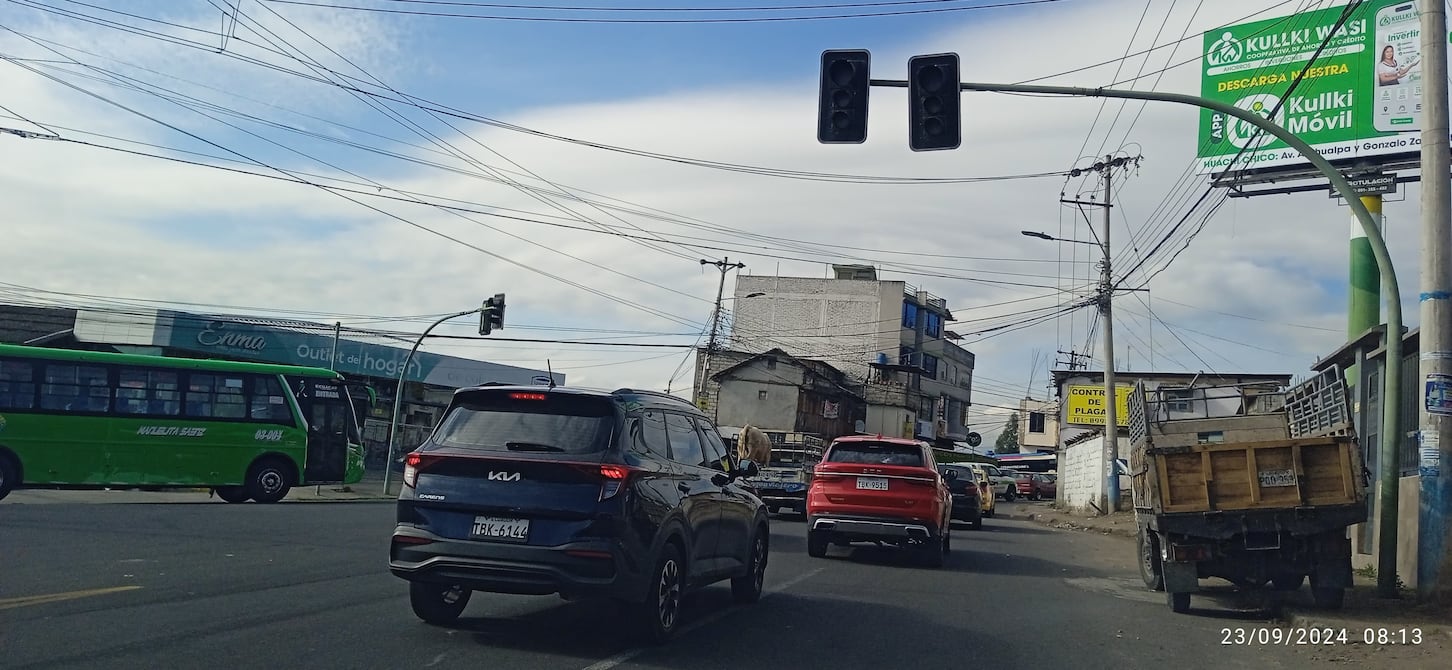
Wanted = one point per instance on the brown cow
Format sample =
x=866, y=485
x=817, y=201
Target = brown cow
x=753, y=445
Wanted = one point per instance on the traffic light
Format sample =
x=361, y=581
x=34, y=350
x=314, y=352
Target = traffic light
x=842, y=105
x=934, y=120
x=492, y=316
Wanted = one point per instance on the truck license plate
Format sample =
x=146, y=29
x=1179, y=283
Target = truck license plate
x=1272, y=478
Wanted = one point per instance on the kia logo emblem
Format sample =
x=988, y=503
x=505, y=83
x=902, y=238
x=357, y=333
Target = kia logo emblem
x=504, y=476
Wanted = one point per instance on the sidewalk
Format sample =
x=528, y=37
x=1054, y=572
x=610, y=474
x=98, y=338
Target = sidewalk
x=368, y=490
x=1362, y=615
x=1043, y=512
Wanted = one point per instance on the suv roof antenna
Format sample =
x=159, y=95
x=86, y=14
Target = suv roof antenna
x=551, y=371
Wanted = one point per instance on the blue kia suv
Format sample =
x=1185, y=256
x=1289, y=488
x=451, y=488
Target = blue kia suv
x=622, y=494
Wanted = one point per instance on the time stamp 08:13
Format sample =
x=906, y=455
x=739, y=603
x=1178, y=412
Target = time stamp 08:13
x=1320, y=636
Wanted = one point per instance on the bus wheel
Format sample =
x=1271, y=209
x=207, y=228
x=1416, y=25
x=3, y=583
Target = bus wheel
x=232, y=494
x=9, y=476
x=268, y=481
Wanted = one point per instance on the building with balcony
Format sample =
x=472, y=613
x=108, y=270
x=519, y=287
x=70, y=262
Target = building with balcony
x=890, y=336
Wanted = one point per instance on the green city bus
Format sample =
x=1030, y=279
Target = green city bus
x=249, y=431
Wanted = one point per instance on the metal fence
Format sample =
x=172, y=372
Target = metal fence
x=1320, y=406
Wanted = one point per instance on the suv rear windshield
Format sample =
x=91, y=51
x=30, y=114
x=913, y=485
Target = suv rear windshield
x=877, y=453
x=528, y=421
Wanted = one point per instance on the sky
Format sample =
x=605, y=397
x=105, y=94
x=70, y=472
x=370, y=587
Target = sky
x=403, y=167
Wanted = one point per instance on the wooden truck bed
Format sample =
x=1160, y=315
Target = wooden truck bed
x=1276, y=474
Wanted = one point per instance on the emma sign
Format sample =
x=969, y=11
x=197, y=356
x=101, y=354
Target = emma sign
x=297, y=346
x=217, y=334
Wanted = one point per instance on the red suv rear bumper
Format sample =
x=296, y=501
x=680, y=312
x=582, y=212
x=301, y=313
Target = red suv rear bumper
x=867, y=528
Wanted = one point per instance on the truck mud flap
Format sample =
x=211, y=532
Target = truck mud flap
x=1333, y=562
x=1181, y=577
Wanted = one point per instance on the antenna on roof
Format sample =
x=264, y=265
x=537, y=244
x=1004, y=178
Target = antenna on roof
x=551, y=371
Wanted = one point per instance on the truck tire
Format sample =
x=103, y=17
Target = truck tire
x=1328, y=597
x=1179, y=602
x=1149, y=561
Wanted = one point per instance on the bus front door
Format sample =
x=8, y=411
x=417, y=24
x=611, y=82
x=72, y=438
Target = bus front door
x=328, y=412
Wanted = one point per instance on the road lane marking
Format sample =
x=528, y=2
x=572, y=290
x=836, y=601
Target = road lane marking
x=26, y=601
x=628, y=654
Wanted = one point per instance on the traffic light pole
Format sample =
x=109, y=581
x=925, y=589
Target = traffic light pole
x=1391, y=392
x=398, y=396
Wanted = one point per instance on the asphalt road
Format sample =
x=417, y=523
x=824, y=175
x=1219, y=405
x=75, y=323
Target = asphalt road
x=251, y=586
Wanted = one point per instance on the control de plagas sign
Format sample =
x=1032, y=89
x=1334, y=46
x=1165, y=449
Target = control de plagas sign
x=1085, y=405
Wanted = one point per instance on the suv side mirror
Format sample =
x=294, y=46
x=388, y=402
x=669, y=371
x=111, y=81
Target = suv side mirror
x=747, y=469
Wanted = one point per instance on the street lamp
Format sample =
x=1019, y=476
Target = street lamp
x=1051, y=238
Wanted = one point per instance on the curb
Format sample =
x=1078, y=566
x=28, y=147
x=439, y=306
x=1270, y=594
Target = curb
x=1354, y=627
x=1070, y=525
x=345, y=500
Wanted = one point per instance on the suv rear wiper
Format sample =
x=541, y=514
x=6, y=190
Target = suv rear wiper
x=530, y=446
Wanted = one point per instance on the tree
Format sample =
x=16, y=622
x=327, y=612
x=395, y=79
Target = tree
x=1008, y=440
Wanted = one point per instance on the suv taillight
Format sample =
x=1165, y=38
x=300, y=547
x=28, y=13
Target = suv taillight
x=410, y=469
x=616, y=477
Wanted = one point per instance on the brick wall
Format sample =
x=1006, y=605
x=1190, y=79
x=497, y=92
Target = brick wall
x=1079, y=481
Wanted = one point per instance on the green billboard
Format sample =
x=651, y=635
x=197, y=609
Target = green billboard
x=1361, y=99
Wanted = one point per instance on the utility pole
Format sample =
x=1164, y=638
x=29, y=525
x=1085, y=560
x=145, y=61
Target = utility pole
x=724, y=265
x=1074, y=357
x=1434, y=565
x=1108, y=467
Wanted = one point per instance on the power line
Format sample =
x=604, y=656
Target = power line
x=427, y=105
x=390, y=215
x=698, y=9
x=760, y=19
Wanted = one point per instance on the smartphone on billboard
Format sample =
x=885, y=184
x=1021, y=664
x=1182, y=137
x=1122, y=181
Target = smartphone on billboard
x=1397, y=73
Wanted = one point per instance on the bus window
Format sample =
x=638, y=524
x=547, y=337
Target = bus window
x=17, y=385
x=153, y=392
x=75, y=388
x=215, y=396
x=269, y=401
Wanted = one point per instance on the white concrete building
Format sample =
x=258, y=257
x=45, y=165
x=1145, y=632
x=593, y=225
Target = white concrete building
x=889, y=334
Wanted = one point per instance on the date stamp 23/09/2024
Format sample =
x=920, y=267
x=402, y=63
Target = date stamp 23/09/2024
x=1327, y=636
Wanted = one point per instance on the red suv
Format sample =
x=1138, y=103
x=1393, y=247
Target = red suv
x=879, y=489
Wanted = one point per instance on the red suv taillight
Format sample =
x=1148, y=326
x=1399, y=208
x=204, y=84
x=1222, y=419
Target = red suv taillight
x=411, y=463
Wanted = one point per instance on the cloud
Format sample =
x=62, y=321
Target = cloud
x=91, y=221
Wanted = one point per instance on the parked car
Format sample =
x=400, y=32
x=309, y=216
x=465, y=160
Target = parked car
x=1126, y=481
x=1024, y=484
x=1046, y=486
x=880, y=489
x=1004, y=485
x=622, y=494
x=1036, y=486
x=966, y=494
